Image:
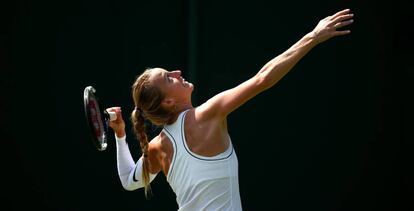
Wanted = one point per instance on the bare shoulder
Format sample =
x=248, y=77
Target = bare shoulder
x=161, y=151
x=153, y=155
x=154, y=144
x=164, y=142
x=205, y=132
x=206, y=112
x=160, y=144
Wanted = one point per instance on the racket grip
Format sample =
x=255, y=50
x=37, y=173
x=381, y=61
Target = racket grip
x=112, y=116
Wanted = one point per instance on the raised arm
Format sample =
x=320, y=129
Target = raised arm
x=225, y=102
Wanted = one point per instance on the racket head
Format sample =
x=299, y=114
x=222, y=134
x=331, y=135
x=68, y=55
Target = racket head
x=96, y=118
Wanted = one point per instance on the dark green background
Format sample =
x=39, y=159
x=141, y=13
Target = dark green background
x=335, y=134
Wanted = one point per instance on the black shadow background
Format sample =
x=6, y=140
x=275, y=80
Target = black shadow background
x=335, y=134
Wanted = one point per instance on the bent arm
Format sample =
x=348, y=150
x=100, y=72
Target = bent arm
x=129, y=172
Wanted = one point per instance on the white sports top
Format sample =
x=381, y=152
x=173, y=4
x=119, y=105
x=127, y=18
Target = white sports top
x=199, y=182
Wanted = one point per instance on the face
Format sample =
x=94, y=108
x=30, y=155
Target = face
x=172, y=84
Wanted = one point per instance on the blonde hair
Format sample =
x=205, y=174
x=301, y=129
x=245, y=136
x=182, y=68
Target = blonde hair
x=147, y=99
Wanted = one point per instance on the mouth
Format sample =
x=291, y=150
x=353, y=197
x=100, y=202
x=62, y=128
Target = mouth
x=184, y=82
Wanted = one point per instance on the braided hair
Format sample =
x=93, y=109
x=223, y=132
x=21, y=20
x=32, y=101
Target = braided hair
x=147, y=99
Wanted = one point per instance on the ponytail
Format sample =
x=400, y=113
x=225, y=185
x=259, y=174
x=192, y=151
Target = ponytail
x=148, y=99
x=138, y=122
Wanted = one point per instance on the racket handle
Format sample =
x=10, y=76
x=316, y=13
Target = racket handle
x=112, y=116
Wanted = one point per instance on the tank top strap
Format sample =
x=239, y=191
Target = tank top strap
x=174, y=133
x=176, y=127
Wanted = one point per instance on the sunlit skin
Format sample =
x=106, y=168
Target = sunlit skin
x=206, y=125
x=204, y=136
x=177, y=90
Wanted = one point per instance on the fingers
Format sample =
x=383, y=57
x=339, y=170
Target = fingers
x=114, y=109
x=344, y=23
x=340, y=33
x=117, y=111
x=340, y=13
x=328, y=26
x=342, y=18
x=118, y=123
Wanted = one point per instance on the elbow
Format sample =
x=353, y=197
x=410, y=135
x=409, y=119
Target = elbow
x=128, y=187
x=125, y=186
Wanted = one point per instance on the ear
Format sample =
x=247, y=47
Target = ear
x=168, y=102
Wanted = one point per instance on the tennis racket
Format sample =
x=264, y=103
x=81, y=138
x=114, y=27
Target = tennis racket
x=96, y=118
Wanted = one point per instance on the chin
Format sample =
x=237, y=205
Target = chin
x=189, y=85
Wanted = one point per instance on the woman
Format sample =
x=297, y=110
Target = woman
x=194, y=150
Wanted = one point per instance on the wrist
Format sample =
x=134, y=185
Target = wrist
x=313, y=36
x=120, y=133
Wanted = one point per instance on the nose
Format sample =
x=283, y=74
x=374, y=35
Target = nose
x=176, y=73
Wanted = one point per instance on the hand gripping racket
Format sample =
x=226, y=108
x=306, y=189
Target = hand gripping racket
x=97, y=118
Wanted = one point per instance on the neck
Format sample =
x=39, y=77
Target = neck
x=180, y=108
x=184, y=107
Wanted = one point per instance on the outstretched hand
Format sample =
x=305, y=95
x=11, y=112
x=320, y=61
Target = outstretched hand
x=327, y=27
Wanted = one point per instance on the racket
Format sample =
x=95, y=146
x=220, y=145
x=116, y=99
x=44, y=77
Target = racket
x=96, y=118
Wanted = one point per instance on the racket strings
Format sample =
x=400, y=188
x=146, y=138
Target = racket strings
x=96, y=119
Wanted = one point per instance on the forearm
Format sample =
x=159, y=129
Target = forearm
x=129, y=172
x=125, y=162
x=279, y=66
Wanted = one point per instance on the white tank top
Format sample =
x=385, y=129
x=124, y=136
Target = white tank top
x=199, y=182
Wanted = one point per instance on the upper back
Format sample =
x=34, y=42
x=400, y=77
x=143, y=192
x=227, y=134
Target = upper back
x=201, y=181
x=204, y=136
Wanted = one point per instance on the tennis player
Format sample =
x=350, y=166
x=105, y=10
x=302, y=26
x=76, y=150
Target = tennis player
x=194, y=150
